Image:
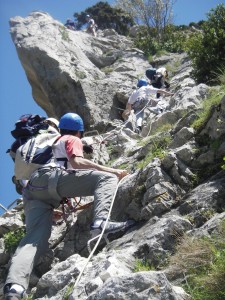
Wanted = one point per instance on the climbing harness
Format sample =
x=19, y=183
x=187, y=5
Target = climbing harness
x=71, y=205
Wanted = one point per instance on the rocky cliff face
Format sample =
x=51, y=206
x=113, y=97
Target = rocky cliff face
x=73, y=71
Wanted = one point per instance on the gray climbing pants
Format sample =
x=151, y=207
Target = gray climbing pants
x=139, y=117
x=39, y=201
x=138, y=107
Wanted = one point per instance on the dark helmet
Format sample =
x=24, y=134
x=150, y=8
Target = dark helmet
x=142, y=82
x=71, y=121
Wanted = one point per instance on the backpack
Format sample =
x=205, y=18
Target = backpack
x=150, y=73
x=27, y=126
x=34, y=154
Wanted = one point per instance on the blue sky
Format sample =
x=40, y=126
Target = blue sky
x=15, y=91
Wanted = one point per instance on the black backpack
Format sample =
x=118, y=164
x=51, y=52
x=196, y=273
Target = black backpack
x=150, y=73
x=26, y=127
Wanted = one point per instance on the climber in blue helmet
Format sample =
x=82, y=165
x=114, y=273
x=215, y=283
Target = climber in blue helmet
x=142, y=82
x=140, y=98
x=70, y=24
x=70, y=176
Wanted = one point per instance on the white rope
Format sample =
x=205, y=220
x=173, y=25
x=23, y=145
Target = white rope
x=150, y=127
x=101, y=235
x=125, y=123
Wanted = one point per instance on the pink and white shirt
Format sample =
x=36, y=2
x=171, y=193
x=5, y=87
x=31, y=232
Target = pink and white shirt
x=65, y=147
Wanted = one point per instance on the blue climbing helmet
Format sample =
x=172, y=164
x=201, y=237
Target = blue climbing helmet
x=71, y=121
x=142, y=82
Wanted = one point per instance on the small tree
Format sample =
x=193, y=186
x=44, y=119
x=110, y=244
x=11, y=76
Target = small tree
x=106, y=16
x=207, y=47
x=151, y=13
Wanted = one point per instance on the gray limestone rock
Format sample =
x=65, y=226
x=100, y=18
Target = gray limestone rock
x=167, y=195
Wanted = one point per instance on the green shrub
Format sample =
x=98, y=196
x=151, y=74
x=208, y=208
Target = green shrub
x=207, y=48
x=146, y=41
x=173, y=40
x=12, y=239
x=106, y=16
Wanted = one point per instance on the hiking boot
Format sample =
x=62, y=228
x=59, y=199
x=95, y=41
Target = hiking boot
x=111, y=227
x=14, y=292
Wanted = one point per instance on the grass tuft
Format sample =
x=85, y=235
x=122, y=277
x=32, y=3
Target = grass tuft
x=142, y=265
x=208, y=107
x=68, y=291
x=157, y=147
x=202, y=262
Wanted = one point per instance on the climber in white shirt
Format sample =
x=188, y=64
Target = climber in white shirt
x=140, y=98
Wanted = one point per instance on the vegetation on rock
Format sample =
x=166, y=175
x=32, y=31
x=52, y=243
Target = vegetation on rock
x=202, y=263
x=105, y=17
